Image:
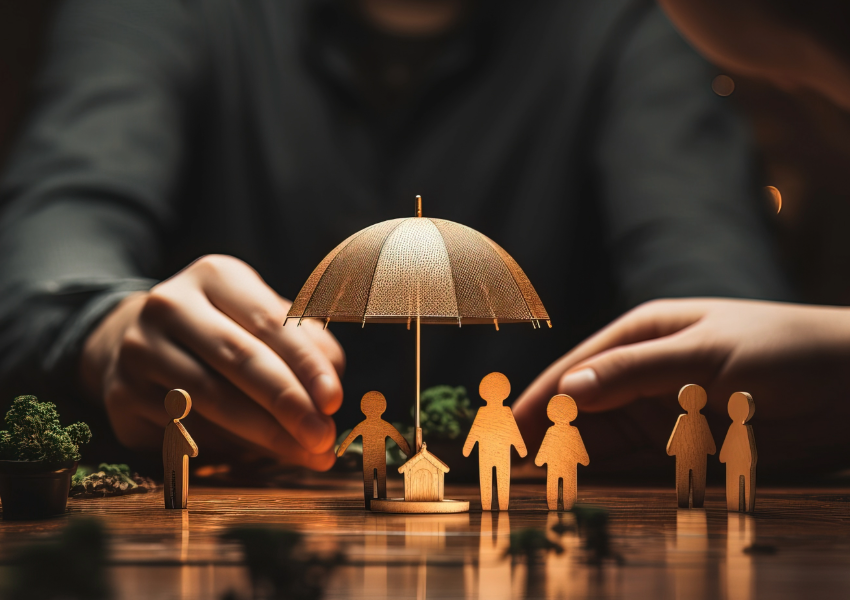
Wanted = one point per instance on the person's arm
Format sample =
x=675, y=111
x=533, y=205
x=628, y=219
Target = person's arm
x=584, y=457
x=91, y=200
x=680, y=204
x=707, y=437
x=673, y=443
x=543, y=454
x=516, y=437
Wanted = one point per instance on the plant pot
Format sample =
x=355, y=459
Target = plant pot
x=34, y=490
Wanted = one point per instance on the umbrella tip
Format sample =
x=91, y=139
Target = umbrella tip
x=418, y=209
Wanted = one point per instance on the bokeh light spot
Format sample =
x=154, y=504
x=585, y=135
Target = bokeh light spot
x=723, y=85
x=774, y=196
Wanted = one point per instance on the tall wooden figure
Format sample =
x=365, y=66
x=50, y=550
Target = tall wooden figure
x=691, y=443
x=375, y=432
x=739, y=454
x=495, y=430
x=177, y=447
x=562, y=449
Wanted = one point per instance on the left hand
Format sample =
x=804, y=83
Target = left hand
x=794, y=358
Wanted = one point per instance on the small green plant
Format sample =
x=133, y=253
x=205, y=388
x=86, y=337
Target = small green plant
x=445, y=412
x=108, y=480
x=33, y=433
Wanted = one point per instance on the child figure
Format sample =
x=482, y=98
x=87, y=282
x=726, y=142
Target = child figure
x=177, y=447
x=495, y=430
x=691, y=443
x=375, y=432
x=562, y=449
x=739, y=454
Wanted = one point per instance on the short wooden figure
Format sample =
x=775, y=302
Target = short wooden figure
x=375, y=432
x=423, y=477
x=739, y=454
x=562, y=450
x=495, y=430
x=177, y=447
x=691, y=443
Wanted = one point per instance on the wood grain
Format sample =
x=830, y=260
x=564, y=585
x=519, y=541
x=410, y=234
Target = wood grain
x=374, y=431
x=739, y=454
x=177, y=447
x=562, y=450
x=495, y=431
x=424, y=476
x=691, y=443
x=405, y=506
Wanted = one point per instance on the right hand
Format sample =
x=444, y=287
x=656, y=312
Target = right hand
x=215, y=330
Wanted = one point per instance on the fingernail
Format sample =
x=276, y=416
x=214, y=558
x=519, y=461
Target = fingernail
x=581, y=385
x=314, y=429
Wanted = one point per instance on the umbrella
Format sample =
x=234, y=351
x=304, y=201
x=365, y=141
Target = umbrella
x=419, y=270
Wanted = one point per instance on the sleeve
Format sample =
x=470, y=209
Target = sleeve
x=89, y=191
x=682, y=209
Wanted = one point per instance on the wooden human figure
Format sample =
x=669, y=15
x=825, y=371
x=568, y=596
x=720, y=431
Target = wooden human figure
x=691, y=443
x=739, y=454
x=495, y=430
x=562, y=450
x=177, y=447
x=375, y=432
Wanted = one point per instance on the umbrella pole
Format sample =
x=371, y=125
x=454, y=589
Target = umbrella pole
x=416, y=414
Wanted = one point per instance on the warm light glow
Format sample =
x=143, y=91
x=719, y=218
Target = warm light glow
x=774, y=196
x=723, y=85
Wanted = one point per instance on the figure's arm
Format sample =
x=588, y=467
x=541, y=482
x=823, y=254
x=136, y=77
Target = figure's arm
x=348, y=439
x=189, y=446
x=472, y=438
x=673, y=444
x=724, y=449
x=583, y=457
x=395, y=434
x=751, y=438
x=543, y=454
x=708, y=440
x=516, y=438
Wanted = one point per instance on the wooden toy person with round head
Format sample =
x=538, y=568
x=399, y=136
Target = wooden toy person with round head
x=177, y=447
x=562, y=449
x=495, y=430
x=691, y=443
x=739, y=454
x=375, y=432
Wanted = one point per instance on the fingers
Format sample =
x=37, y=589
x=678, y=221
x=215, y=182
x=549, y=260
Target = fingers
x=151, y=356
x=313, y=355
x=647, y=369
x=652, y=320
x=244, y=360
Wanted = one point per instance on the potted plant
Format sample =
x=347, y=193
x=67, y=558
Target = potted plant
x=37, y=459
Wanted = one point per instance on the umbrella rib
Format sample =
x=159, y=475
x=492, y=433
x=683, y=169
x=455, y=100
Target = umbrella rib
x=318, y=283
x=495, y=249
x=452, y=269
x=372, y=281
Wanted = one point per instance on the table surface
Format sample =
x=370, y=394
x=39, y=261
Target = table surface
x=801, y=537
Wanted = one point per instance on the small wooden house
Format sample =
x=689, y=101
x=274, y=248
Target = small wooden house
x=423, y=477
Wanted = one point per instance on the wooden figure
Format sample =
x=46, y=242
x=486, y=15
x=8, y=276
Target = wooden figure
x=495, y=430
x=423, y=477
x=375, y=432
x=177, y=447
x=739, y=454
x=691, y=443
x=562, y=450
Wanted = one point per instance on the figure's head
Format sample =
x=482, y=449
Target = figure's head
x=741, y=407
x=495, y=388
x=178, y=404
x=373, y=404
x=692, y=398
x=791, y=43
x=562, y=409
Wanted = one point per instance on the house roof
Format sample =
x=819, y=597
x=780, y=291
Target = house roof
x=423, y=453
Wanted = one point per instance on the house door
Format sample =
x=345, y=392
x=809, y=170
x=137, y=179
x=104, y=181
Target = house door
x=424, y=484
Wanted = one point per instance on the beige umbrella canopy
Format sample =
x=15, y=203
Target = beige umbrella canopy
x=419, y=270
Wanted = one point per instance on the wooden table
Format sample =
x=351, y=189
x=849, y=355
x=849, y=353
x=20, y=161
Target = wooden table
x=802, y=547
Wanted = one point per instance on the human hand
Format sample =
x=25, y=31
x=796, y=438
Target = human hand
x=215, y=330
x=792, y=357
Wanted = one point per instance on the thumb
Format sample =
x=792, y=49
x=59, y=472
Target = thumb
x=648, y=369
